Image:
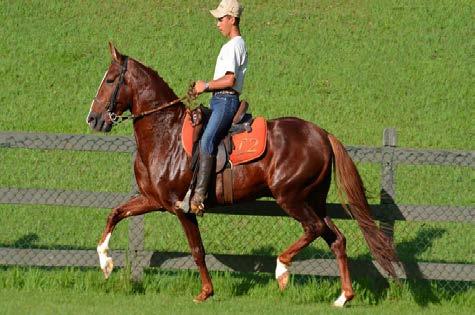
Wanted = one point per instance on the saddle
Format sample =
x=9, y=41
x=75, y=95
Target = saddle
x=245, y=141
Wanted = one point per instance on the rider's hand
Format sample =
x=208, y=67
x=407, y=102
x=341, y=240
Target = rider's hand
x=200, y=87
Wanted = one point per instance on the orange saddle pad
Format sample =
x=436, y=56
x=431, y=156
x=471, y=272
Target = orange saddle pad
x=247, y=146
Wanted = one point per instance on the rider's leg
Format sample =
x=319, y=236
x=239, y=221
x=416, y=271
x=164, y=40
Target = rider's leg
x=223, y=108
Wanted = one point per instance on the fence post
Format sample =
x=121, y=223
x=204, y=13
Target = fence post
x=136, y=236
x=388, y=184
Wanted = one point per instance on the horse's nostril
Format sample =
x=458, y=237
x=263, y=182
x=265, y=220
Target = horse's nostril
x=90, y=119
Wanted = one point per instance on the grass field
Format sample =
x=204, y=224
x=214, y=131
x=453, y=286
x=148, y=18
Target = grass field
x=84, y=292
x=67, y=302
x=352, y=67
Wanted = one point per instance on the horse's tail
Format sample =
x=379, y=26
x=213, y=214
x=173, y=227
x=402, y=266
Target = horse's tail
x=349, y=181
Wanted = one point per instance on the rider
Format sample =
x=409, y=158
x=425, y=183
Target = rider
x=226, y=86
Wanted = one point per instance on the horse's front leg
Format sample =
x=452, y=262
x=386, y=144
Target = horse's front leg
x=190, y=226
x=135, y=206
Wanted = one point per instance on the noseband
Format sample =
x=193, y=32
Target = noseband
x=111, y=105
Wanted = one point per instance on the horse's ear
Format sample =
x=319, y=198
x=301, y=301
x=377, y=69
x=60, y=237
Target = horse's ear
x=116, y=55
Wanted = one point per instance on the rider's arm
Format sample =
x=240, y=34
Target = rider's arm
x=225, y=82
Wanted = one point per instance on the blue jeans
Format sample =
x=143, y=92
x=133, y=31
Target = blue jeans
x=223, y=108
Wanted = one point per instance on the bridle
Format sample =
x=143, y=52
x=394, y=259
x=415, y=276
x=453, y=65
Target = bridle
x=112, y=104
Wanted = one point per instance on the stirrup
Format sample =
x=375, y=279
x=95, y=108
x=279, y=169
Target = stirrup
x=197, y=206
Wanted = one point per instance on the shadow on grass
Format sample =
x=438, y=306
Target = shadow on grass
x=258, y=269
x=26, y=241
x=422, y=291
x=366, y=276
x=30, y=241
x=369, y=278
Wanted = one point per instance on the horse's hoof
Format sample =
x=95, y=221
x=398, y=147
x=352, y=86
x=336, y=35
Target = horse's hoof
x=109, y=266
x=342, y=300
x=203, y=296
x=283, y=280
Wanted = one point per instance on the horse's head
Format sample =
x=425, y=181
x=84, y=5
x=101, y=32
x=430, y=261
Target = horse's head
x=113, y=96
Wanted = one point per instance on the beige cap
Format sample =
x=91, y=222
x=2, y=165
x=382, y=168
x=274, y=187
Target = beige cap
x=228, y=7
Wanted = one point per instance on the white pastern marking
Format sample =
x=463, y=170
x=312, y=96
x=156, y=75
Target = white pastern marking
x=340, y=302
x=280, y=269
x=102, y=250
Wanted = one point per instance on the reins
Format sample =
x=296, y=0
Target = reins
x=116, y=119
x=110, y=106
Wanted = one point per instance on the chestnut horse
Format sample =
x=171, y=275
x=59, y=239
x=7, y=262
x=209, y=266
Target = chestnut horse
x=295, y=170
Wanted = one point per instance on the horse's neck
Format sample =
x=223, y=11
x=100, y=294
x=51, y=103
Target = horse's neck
x=158, y=133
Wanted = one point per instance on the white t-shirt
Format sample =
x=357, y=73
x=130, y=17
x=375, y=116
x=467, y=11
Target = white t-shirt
x=232, y=58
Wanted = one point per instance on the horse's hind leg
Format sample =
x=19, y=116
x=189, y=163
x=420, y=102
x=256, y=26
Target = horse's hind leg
x=135, y=206
x=313, y=227
x=337, y=242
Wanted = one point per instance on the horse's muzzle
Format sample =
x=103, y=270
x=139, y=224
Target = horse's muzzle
x=97, y=122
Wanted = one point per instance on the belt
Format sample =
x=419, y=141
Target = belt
x=230, y=92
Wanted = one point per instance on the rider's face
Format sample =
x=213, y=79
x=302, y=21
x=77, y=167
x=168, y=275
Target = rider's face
x=225, y=25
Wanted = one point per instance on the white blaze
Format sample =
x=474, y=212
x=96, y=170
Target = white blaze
x=92, y=103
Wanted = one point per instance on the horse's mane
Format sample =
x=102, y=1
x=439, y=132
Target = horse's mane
x=154, y=74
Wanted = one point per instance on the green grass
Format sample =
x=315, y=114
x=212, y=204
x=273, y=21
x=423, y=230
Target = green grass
x=352, y=67
x=56, y=227
x=68, y=170
x=80, y=292
x=78, y=228
x=66, y=302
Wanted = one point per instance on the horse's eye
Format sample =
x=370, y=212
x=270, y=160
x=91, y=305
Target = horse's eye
x=110, y=81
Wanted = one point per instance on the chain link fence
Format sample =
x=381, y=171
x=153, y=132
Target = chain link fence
x=60, y=227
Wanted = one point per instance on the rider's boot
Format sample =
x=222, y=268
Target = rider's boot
x=202, y=183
